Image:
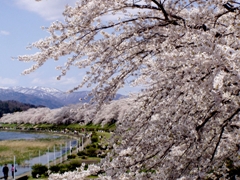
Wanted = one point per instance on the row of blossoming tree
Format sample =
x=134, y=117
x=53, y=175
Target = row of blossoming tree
x=185, y=56
x=72, y=114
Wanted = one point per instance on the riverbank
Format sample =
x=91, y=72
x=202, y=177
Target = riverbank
x=26, y=149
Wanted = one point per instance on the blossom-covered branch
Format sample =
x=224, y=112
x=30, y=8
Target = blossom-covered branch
x=185, y=55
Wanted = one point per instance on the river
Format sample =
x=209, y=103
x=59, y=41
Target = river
x=7, y=135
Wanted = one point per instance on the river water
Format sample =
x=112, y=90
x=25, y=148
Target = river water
x=42, y=159
x=6, y=135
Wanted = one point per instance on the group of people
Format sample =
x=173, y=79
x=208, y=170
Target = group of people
x=5, y=171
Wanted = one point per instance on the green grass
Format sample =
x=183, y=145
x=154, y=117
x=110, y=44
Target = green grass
x=22, y=149
x=110, y=127
x=74, y=126
x=44, y=126
x=8, y=125
x=92, y=177
x=27, y=125
x=88, y=159
x=105, y=135
x=91, y=127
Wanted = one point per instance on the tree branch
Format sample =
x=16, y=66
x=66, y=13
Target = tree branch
x=162, y=9
x=225, y=123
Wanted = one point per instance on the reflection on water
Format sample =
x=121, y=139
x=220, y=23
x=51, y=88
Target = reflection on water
x=5, y=135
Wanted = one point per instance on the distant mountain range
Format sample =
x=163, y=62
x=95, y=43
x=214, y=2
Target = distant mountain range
x=42, y=96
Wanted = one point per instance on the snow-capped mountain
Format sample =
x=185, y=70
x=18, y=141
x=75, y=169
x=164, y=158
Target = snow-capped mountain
x=49, y=97
x=30, y=96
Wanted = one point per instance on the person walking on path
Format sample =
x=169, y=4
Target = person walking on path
x=13, y=170
x=5, y=172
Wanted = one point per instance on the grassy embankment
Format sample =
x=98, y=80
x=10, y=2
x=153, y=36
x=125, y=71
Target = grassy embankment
x=59, y=127
x=23, y=149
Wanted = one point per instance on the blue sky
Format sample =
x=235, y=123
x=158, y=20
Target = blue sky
x=20, y=25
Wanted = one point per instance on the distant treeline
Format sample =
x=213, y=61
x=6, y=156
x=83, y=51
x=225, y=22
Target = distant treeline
x=11, y=106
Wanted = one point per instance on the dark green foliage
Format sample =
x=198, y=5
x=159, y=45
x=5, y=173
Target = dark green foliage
x=94, y=145
x=92, y=152
x=54, y=169
x=13, y=106
x=72, y=156
x=84, y=157
x=62, y=168
x=88, y=146
x=94, y=137
x=81, y=153
x=39, y=169
x=92, y=127
x=73, y=165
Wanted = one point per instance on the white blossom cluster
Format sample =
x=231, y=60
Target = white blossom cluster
x=78, y=113
x=79, y=174
x=185, y=55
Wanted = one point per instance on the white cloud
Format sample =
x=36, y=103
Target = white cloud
x=53, y=80
x=7, y=81
x=52, y=9
x=68, y=81
x=38, y=82
x=4, y=33
x=48, y=9
x=63, y=84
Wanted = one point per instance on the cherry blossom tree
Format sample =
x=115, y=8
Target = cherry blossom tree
x=185, y=56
